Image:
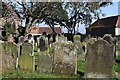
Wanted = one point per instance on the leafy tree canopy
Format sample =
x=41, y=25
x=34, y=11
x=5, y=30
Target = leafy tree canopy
x=67, y=14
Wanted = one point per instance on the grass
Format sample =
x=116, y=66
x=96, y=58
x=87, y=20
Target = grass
x=50, y=50
x=22, y=74
x=81, y=65
x=36, y=57
x=117, y=64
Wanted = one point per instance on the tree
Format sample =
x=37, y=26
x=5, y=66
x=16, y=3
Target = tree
x=52, y=13
x=33, y=12
x=8, y=28
x=82, y=12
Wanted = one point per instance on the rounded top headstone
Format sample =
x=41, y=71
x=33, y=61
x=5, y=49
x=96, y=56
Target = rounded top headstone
x=108, y=38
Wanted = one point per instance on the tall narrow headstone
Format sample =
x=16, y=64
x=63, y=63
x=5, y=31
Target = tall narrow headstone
x=78, y=45
x=42, y=44
x=26, y=59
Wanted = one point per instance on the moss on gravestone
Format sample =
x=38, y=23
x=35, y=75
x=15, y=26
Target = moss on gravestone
x=76, y=38
x=26, y=62
x=9, y=54
x=10, y=48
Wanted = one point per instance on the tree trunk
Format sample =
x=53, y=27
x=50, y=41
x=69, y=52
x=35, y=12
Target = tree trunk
x=74, y=31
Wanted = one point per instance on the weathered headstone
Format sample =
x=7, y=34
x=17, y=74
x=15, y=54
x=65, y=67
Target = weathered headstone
x=32, y=41
x=99, y=60
x=45, y=62
x=78, y=45
x=108, y=38
x=46, y=42
x=9, y=55
x=21, y=40
x=26, y=60
x=118, y=48
x=89, y=42
x=65, y=58
x=0, y=60
x=62, y=39
x=42, y=43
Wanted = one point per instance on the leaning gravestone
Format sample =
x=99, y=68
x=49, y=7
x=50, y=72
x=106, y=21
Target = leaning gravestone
x=26, y=60
x=45, y=62
x=65, y=58
x=9, y=55
x=99, y=60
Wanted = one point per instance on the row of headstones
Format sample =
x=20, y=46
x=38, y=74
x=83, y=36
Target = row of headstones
x=13, y=56
x=43, y=43
x=99, y=58
x=62, y=61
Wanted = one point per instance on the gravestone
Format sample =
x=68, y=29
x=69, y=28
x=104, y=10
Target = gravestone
x=62, y=39
x=78, y=45
x=65, y=58
x=118, y=48
x=0, y=60
x=45, y=62
x=21, y=40
x=26, y=59
x=89, y=42
x=9, y=55
x=99, y=60
x=32, y=41
x=108, y=38
x=42, y=43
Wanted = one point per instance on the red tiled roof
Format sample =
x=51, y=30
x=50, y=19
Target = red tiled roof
x=48, y=30
x=118, y=22
x=34, y=30
x=106, y=22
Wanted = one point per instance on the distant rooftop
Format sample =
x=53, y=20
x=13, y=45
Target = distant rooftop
x=48, y=30
x=107, y=22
